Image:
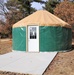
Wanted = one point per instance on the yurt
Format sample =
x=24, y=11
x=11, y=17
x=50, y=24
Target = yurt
x=41, y=32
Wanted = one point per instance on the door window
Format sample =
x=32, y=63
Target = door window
x=33, y=33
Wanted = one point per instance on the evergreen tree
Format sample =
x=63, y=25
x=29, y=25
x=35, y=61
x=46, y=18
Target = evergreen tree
x=26, y=4
x=50, y=5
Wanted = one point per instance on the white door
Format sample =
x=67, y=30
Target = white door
x=33, y=38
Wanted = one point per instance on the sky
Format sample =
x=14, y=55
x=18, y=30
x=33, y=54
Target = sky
x=38, y=6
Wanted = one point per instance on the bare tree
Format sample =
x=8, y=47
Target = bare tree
x=65, y=10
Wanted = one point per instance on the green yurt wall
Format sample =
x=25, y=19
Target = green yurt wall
x=55, y=38
x=19, y=38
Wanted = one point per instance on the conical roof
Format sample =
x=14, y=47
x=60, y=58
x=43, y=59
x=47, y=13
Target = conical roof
x=41, y=18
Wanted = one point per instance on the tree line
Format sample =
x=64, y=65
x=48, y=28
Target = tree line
x=18, y=9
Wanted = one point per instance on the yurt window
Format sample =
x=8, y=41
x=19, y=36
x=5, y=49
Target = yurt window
x=33, y=33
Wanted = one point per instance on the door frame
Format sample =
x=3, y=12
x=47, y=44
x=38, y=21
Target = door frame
x=27, y=37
